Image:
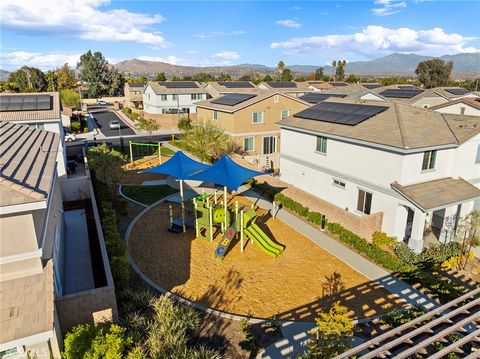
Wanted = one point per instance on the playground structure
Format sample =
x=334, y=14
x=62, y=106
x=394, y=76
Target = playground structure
x=232, y=221
x=143, y=149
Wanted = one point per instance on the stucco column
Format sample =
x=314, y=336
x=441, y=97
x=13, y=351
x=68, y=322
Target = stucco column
x=400, y=222
x=416, y=240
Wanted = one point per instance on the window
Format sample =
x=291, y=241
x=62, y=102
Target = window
x=38, y=126
x=163, y=97
x=338, y=183
x=174, y=97
x=269, y=144
x=462, y=110
x=215, y=115
x=276, y=98
x=257, y=117
x=321, y=144
x=196, y=96
x=477, y=160
x=249, y=144
x=429, y=160
x=149, y=96
x=364, y=203
x=284, y=114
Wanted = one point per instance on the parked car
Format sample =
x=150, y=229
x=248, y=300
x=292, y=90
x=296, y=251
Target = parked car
x=70, y=137
x=114, y=125
x=102, y=103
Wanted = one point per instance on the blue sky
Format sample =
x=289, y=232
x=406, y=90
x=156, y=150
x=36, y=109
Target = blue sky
x=48, y=33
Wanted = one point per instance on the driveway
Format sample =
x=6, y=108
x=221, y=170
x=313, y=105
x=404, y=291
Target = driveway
x=102, y=118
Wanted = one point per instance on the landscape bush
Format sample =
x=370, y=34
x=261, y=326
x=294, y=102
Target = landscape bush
x=383, y=241
x=75, y=126
x=398, y=317
x=185, y=124
x=251, y=340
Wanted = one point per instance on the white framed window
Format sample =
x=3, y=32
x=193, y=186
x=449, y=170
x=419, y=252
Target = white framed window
x=149, y=96
x=276, y=98
x=477, y=160
x=338, y=183
x=321, y=145
x=269, y=145
x=215, y=115
x=163, y=97
x=257, y=117
x=249, y=144
x=284, y=114
x=462, y=110
x=429, y=158
x=364, y=202
x=174, y=97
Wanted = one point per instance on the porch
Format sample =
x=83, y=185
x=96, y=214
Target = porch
x=434, y=209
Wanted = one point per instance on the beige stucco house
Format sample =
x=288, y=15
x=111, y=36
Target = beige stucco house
x=251, y=120
x=133, y=93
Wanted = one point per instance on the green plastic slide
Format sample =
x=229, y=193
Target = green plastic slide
x=263, y=241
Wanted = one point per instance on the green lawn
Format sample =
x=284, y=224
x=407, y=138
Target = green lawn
x=148, y=194
x=166, y=151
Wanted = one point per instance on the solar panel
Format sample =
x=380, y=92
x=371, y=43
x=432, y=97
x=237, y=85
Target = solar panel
x=408, y=87
x=179, y=84
x=233, y=99
x=371, y=86
x=341, y=113
x=319, y=97
x=236, y=84
x=398, y=93
x=457, y=91
x=31, y=102
x=338, y=84
x=282, y=84
x=136, y=84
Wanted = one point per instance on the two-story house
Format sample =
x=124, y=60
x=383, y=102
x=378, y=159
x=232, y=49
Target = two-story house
x=172, y=97
x=32, y=231
x=251, y=120
x=38, y=110
x=133, y=92
x=464, y=106
x=415, y=166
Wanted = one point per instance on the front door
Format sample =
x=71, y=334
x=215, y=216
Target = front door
x=408, y=227
x=269, y=145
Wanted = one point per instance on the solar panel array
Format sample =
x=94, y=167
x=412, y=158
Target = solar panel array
x=9, y=103
x=400, y=93
x=233, y=99
x=136, y=84
x=319, y=97
x=338, y=84
x=457, y=91
x=408, y=87
x=236, y=84
x=371, y=86
x=340, y=113
x=179, y=84
x=282, y=84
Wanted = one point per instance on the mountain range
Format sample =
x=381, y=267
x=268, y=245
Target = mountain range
x=394, y=64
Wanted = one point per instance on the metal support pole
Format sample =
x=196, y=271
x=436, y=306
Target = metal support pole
x=215, y=196
x=236, y=213
x=274, y=206
x=131, y=153
x=196, y=218
x=241, y=231
x=170, y=213
x=183, y=206
x=225, y=206
x=159, y=153
x=210, y=221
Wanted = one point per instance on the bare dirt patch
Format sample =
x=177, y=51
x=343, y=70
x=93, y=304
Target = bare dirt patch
x=295, y=286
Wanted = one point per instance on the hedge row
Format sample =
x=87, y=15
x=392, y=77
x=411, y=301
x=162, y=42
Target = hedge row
x=301, y=210
x=386, y=259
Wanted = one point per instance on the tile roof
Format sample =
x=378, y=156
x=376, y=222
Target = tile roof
x=260, y=95
x=27, y=163
x=472, y=101
x=135, y=84
x=27, y=305
x=464, y=127
x=400, y=126
x=301, y=87
x=159, y=88
x=438, y=193
x=224, y=89
x=53, y=114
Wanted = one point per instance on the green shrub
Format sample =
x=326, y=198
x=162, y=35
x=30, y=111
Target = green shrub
x=75, y=126
x=291, y=204
x=383, y=241
x=397, y=317
x=439, y=253
x=185, y=124
x=406, y=254
x=85, y=129
x=251, y=340
x=252, y=182
x=266, y=190
x=386, y=259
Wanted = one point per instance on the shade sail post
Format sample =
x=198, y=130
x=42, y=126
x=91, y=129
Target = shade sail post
x=225, y=206
x=183, y=206
x=241, y=231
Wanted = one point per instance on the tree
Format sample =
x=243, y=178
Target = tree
x=434, y=73
x=51, y=78
x=267, y=78
x=160, y=77
x=208, y=141
x=319, y=74
x=334, y=65
x=93, y=70
x=465, y=230
x=330, y=338
x=286, y=75
x=176, y=78
x=245, y=78
x=65, y=77
x=116, y=82
x=352, y=78
x=224, y=77
x=29, y=79
x=70, y=98
x=203, y=77
x=340, y=70
x=147, y=124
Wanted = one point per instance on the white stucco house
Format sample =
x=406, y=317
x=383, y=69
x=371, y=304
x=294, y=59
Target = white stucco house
x=172, y=97
x=38, y=110
x=465, y=106
x=414, y=165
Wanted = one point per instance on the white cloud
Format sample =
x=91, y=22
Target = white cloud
x=294, y=24
x=207, y=35
x=44, y=61
x=169, y=59
x=83, y=19
x=227, y=55
x=388, y=7
x=375, y=41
